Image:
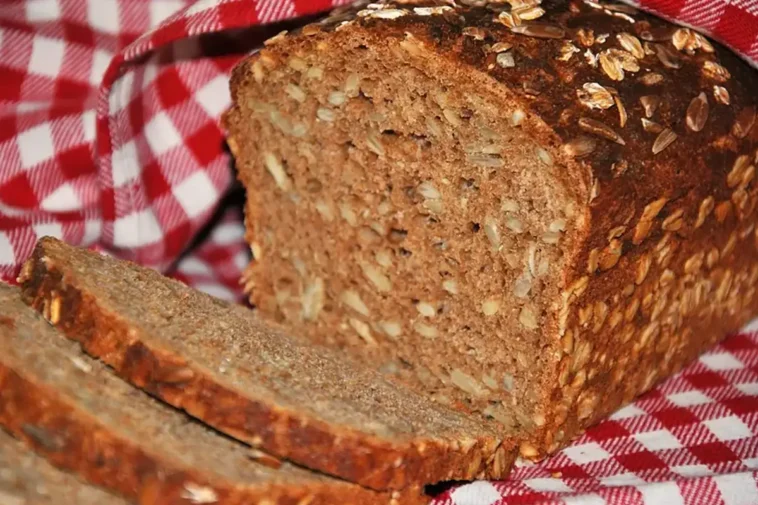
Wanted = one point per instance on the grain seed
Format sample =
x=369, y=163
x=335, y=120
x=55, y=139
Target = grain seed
x=595, y=96
x=697, y=112
x=721, y=95
x=600, y=129
x=664, y=139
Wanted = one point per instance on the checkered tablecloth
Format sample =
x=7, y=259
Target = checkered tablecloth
x=109, y=138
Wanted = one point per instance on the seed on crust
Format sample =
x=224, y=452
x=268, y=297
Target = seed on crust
x=540, y=30
x=740, y=166
x=650, y=104
x=651, y=126
x=600, y=129
x=622, y=111
x=721, y=94
x=664, y=139
x=580, y=147
x=697, y=112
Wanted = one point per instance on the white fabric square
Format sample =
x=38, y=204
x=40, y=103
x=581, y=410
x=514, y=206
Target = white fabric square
x=42, y=10
x=622, y=479
x=586, y=453
x=48, y=230
x=661, y=492
x=121, y=93
x=629, y=411
x=749, y=388
x=721, y=361
x=737, y=488
x=193, y=266
x=750, y=462
x=63, y=199
x=149, y=73
x=200, y=6
x=7, y=255
x=584, y=499
x=125, y=164
x=476, y=493
x=228, y=233
x=89, y=119
x=241, y=260
x=658, y=440
x=103, y=15
x=689, y=398
x=162, y=9
x=752, y=326
x=214, y=96
x=35, y=145
x=548, y=484
x=47, y=56
x=100, y=61
x=161, y=134
x=728, y=428
x=196, y=194
x=137, y=229
x=92, y=230
x=692, y=470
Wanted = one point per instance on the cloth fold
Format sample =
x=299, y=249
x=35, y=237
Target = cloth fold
x=109, y=138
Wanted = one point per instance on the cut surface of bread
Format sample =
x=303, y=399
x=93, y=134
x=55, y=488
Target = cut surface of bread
x=77, y=413
x=532, y=212
x=28, y=479
x=220, y=364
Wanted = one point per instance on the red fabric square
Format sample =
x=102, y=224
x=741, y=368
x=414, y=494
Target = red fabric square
x=713, y=453
x=639, y=461
x=18, y=192
x=171, y=89
x=10, y=83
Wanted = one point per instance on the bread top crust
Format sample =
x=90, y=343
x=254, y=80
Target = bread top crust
x=647, y=119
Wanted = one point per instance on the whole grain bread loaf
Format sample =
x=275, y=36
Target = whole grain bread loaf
x=530, y=210
x=79, y=415
x=220, y=364
x=28, y=479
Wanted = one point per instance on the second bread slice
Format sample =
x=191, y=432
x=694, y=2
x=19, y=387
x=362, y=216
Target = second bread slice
x=220, y=364
x=74, y=411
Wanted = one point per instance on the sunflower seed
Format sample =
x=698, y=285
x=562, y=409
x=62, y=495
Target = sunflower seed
x=425, y=330
x=451, y=286
x=540, y=30
x=500, y=47
x=622, y=111
x=651, y=79
x=527, y=319
x=491, y=306
x=426, y=309
x=580, y=147
x=668, y=57
x=295, y=92
x=380, y=281
x=276, y=169
x=650, y=104
x=353, y=300
x=664, y=139
x=390, y=328
x=505, y=60
x=721, y=95
x=600, y=129
x=651, y=126
x=697, y=112
x=529, y=13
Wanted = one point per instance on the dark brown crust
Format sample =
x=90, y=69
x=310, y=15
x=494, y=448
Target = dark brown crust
x=57, y=428
x=355, y=457
x=640, y=328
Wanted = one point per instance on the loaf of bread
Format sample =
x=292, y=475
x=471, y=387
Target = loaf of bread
x=529, y=210
x=220, y=364
x=79, y=415
x=28, y=479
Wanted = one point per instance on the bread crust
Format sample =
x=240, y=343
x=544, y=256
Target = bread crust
x=355, y=456
x=652, y=129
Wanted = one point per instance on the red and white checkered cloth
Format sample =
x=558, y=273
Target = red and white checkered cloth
x=109, y=138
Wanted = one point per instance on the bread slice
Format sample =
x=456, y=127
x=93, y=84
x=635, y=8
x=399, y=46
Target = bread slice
x=77, y=413
x=28, y=479
x=220, y=364
x=533, y=212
